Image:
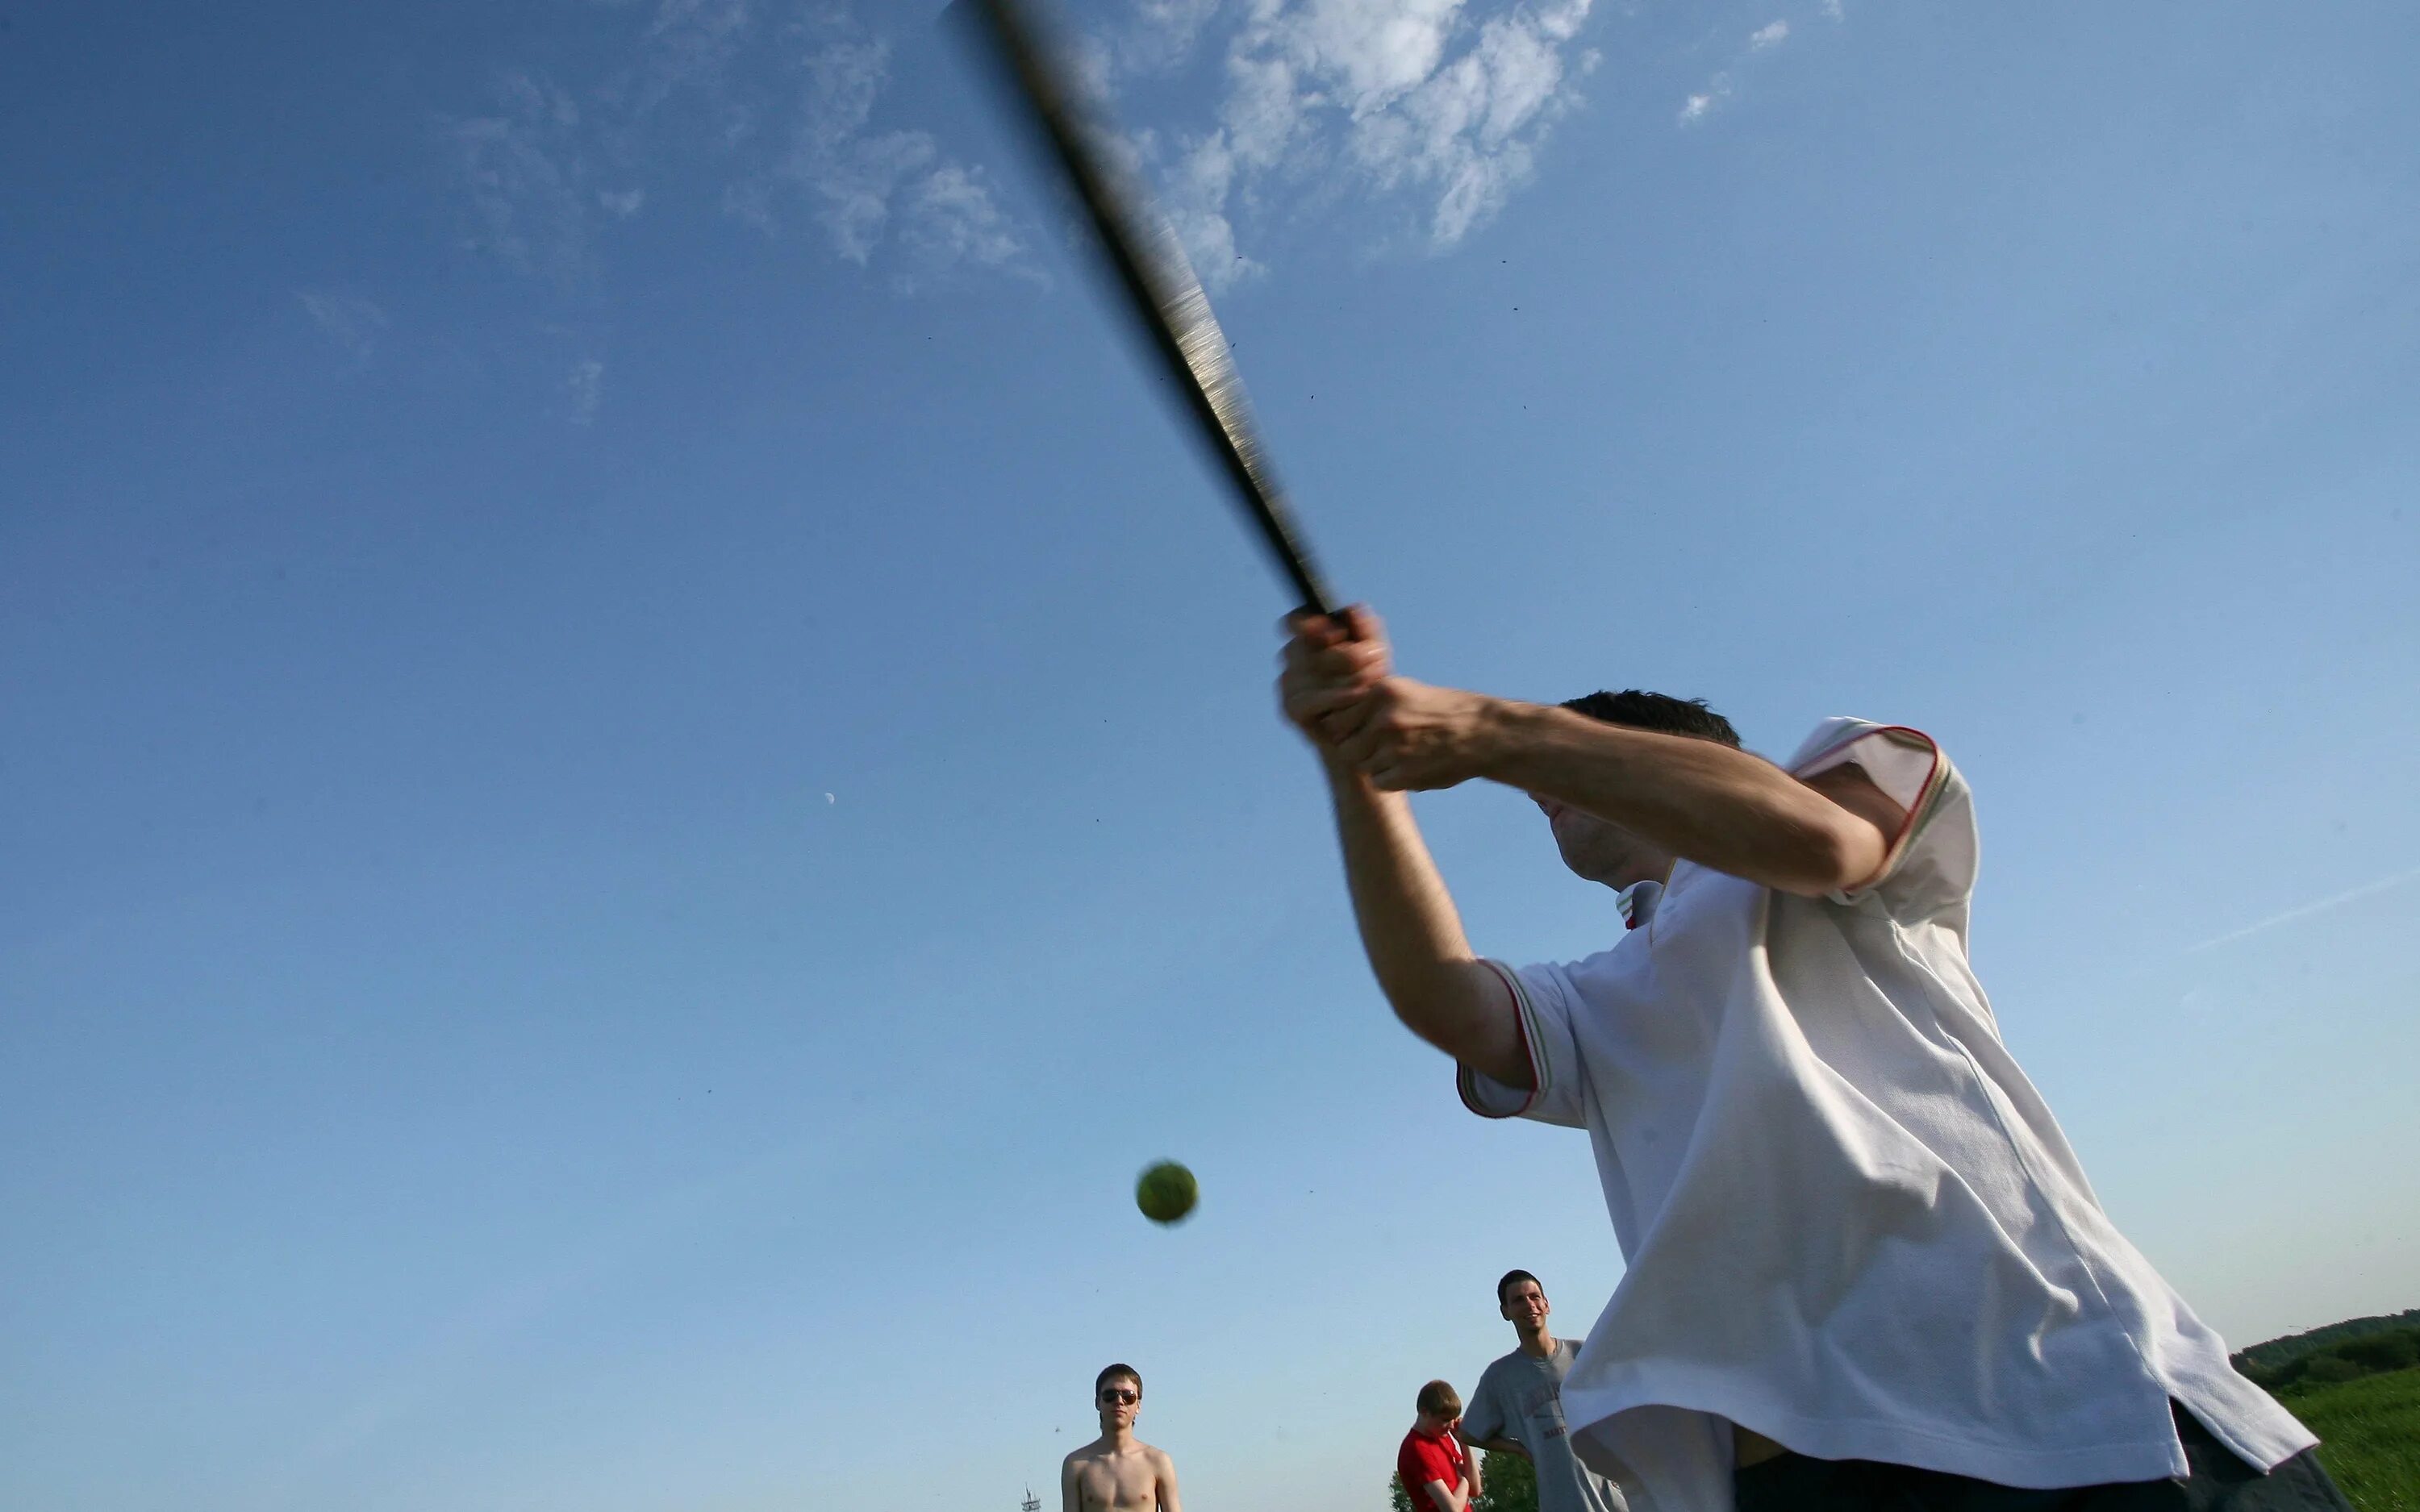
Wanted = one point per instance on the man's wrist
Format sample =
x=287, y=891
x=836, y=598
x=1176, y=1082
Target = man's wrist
x=1342, y=775
x=1506, y=727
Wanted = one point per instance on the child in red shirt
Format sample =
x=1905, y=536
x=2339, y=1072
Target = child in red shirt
x=1438, y=1474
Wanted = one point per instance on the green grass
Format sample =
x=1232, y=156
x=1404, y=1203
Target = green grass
x=2369, y=1436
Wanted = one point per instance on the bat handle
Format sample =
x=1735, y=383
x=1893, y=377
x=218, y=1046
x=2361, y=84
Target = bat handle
x=1342, y=616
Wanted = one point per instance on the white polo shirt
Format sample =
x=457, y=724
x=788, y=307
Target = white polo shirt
x=1850, y=1222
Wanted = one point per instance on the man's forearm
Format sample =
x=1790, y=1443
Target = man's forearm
x=1413, y=934
x=1715, y=806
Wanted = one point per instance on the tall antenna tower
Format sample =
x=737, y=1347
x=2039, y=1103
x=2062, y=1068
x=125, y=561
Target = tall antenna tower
x=1032, y=1502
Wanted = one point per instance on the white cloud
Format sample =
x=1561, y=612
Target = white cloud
x=521, y=171
x=1095, y=67
x=1151, y=37
x=1698, y=106
x=352, y=322
x=952, y=219
x=780, y=107
x=1263, y=108
x=1370, y=52
x=851, y=174
x=1440, y=105
x=1408, y=95
x=1197, y=194
x=693, y=42
x=1719, y=88
x=2301, y=911
x=586, y=386
x=1831, y=10
x=856, y=181
x=1169, y=27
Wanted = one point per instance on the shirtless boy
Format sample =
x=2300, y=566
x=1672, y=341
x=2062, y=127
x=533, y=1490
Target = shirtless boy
x=1118, y=1471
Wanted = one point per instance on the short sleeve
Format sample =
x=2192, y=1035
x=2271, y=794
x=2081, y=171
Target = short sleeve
x=1542, y=996
x=1419, y=1462
x=1929, y=872
x=1483, y=1417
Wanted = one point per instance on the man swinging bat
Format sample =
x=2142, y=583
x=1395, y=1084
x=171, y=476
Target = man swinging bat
x=1863, y=1266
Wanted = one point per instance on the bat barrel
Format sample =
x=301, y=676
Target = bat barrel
x=1162, y=290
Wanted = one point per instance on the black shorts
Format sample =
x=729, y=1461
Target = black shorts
x=2219, y=1482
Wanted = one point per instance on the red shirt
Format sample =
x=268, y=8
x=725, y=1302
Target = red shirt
x=1422, y=1459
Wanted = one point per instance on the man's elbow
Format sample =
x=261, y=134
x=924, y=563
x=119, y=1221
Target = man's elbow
x=1443, y=1005
x=1427, y=1017
x=1824, y=859
x=1468, y=1012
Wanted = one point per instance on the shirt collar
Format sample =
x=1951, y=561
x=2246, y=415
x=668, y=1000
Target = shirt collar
x=1637, y=904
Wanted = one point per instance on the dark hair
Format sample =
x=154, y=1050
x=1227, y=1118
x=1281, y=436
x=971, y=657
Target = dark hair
x=1659, y=711
x=1439, y=1399
x=1511, y=1276
x=1112, y=1373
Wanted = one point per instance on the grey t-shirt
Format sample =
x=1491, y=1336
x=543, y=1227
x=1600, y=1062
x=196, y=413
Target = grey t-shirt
x=1520, y=1397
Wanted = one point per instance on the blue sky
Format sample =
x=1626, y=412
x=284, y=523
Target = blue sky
x=640, y=772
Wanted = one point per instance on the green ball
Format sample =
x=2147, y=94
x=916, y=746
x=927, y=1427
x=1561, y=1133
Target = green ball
x=1166, y=1193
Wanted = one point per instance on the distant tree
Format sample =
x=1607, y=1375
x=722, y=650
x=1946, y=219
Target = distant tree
x=2348, y=1355
x=2397, y=1351
x=1397, y=1498
x=2280, y=1352
x=1512, y=1484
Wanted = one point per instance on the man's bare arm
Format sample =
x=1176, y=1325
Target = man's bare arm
x=1164, y=1470
x=1715, y=806
x=1410, y=930
x=1071, y=1494
x=1413, y=934
x=1721, y=808
x=1718, y=806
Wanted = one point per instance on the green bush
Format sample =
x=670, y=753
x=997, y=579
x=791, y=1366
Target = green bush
x=2398, y=1350
x=2343, y=1357
x=1512, y=1484
x=2267, y=1377
x=2279, y=1353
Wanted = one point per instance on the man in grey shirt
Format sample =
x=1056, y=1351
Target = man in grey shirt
x=1519, y=1405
